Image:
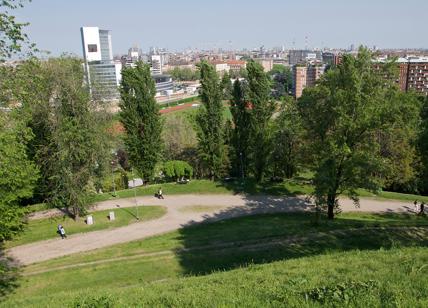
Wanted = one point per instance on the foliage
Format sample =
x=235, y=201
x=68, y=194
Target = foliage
x=226, y=86
x=177, y=169
x=179, y=135
x=184, y=74
x=288, y=141
x=242, y=73
x=12, y=36
x=422, y=147
x=18, y=174
x=141, y=119
x=210, y=123
x=262, y=108
x=74, y=139
x=240, y=139
x=342, y=116
x=282, y=78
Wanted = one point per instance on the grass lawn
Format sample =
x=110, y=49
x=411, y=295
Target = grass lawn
x=42, y=229
x=307, y=263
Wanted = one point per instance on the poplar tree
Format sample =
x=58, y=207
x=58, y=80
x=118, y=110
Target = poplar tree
x=241, y=138
x=262, y=108
x=210, y=132
x=141, y=119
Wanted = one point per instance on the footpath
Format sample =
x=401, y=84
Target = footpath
x=182, y=210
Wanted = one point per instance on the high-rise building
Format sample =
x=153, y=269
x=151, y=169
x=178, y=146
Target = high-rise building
x=102, y=73
x=156, y=61
x=305, y=76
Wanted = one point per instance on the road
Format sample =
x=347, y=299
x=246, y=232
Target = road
x=182, y=210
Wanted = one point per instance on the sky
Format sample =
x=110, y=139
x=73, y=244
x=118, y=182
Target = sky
x=177, y=25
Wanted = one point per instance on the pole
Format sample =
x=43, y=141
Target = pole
x=135, y=194
x=113, y=182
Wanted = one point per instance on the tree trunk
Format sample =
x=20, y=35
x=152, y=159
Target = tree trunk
x=331, y=202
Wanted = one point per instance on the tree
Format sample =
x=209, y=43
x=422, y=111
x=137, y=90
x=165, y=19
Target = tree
x=18, y=174
x=226, y=87
x=178, y=135
x=210, y=123
x=241, y=138
x=287, y=140
x=422, y=147
x=74, y=141
x=177, y=169
x=262, y=108
x=12, y=36
x=342, y=116
x=141, y=119
x=282, y=78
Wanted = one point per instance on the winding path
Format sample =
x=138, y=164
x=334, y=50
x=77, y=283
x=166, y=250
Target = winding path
x=182, y=210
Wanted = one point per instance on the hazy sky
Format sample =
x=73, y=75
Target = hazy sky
x=54, y=24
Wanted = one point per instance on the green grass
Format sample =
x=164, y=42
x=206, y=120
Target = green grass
x=42, y=229
x=394, y=278
x=355, y=249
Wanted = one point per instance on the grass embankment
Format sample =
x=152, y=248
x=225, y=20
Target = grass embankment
x=326, y=256
x=42, y=229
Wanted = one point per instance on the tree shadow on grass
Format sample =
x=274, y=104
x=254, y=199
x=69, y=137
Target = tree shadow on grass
x=219, y=244
x=289, y=187
x=9, y=274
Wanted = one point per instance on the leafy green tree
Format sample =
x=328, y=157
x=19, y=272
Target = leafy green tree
x=177, y=169
x=241, y=133
x=18, y=174
x=262, y=109
x=282, y=78
x=210, y=123
x=12, y=36
x=287, y=140
x=422, y=147
x=141, y=119
x=226, y=87
x=74, y=139
x=342, y=117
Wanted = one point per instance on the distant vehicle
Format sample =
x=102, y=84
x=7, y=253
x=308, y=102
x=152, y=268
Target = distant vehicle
x=183, y=181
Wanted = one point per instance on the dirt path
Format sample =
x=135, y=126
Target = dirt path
x=176, y=217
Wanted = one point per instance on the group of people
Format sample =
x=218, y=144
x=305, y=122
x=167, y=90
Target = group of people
x=419, y=209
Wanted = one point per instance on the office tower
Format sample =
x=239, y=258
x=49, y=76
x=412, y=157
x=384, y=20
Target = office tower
x=101, y=72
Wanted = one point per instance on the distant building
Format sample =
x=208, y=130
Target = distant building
x=156, y=64
x=220, y=67
x=412, y=73
x=266, y=63
x=101, y=73
x=164, y=84
x=304, y=56
x=236, y=65
x=305, y=76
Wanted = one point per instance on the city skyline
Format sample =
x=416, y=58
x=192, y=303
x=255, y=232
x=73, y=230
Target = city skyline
x=191, y=24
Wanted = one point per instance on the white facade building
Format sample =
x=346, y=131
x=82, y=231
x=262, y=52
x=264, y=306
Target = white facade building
x=101, y=72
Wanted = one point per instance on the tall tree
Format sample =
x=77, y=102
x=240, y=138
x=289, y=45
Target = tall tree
x=18, y=174
x=342, y=116
x=226, y=87
x=210, y=123
x=141, y=119
x=287, y=140
x=262, y=109
x=74, y=141
x=241, y=133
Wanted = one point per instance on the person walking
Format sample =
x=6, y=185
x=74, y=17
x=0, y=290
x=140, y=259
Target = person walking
x=62, y=232
x=160, y=193
x=422, y=209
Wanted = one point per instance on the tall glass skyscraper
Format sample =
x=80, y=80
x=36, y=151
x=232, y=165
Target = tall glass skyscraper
x=101, y=72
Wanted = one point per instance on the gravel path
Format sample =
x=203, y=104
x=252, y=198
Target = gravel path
x=176, y=217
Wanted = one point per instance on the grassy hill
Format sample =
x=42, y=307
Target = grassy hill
x=265, y=260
